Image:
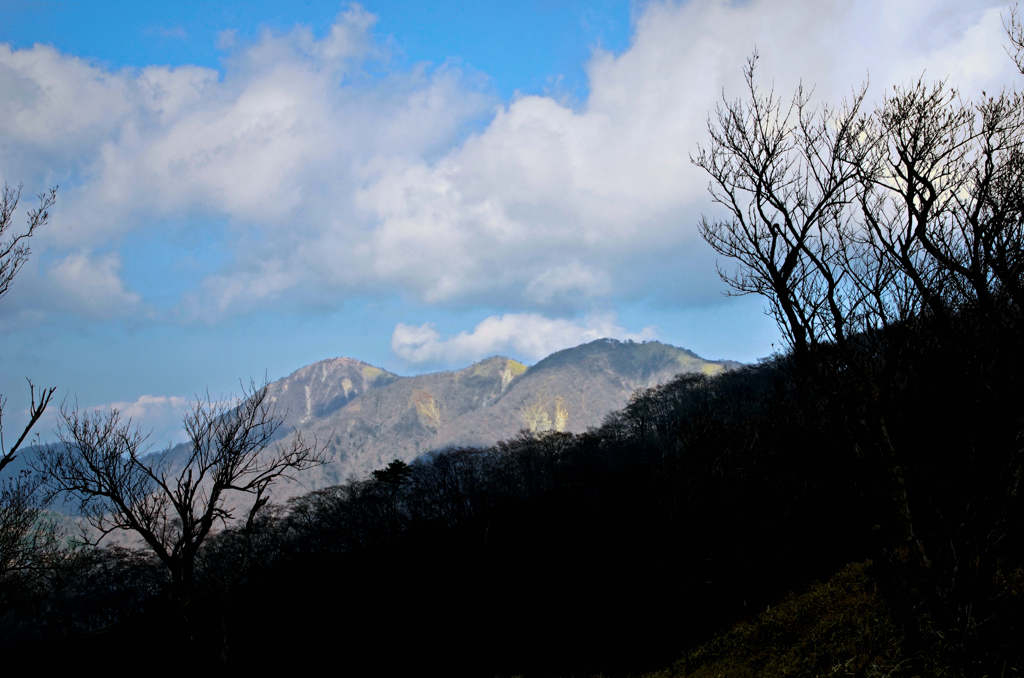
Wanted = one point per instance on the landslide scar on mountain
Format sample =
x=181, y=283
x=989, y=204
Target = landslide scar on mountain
x=427, y=409
x=536, y=419
x=512, y=370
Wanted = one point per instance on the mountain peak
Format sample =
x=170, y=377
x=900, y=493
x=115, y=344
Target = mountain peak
x=368, y=417
x=495, y=365
x=329, y=365
x=323, y=387
x=631, y=357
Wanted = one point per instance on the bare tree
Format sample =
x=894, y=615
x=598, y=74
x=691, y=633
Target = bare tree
x=35, y=411
x=22, y=535
x=942, y=202
x=792, y=179
x=27, y=537
x=845, y=221
x=784, y=173
x=173, y=505
x=14, y=251
x=1014, y=29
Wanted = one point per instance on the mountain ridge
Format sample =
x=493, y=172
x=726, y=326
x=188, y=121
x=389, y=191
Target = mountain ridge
x=365, y=416
x=393, y=417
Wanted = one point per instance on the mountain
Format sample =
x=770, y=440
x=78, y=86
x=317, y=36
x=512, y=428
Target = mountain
x=392, y=418
x=368, y=417
x=316, y=391
x=574, y=389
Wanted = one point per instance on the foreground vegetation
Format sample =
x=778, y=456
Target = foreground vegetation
x=612, y=552
x=840, y=627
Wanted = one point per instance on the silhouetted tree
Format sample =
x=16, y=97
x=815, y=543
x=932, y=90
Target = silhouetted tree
x=784, y=172
x=22, y=536
x=1014, y=29
x=27, y=538
x=942, y=199
x=173, y=506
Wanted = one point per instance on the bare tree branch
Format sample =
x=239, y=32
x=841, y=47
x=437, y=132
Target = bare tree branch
x=25, y=537
x=174, y=504
x=785, y=175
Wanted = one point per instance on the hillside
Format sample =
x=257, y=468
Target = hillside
x=671, y=538
x=839, y=627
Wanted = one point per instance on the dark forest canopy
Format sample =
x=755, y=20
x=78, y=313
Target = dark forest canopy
x=697, y=505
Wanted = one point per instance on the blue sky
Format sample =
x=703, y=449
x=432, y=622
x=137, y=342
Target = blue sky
x=246, y=188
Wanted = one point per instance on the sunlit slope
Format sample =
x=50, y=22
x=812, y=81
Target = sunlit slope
x=385, y=417
x=574, y=389
x=840, y=627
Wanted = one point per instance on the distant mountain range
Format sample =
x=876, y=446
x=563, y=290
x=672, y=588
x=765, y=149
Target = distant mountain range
x=368, y=417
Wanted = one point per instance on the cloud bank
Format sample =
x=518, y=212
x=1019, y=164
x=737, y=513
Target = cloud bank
x=335, y=174
x=525, y=335
x=157, y=416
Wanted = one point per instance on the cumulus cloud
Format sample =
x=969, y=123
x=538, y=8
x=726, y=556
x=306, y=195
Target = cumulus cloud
x=525, y=335
x=339, y=175
x=91, y=285
x=608, y=187
x=277, y=144
x=157, y=416
x=274, y=145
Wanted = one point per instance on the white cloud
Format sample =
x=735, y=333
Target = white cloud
x=278, y=144
x=54, y=102
x=157, y=416
x=275, y=145
x=91, y=285
x=525, y=335
x=551, y=206
x=335, y=182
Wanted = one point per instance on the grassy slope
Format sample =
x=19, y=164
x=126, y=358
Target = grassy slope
x=841, y=627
